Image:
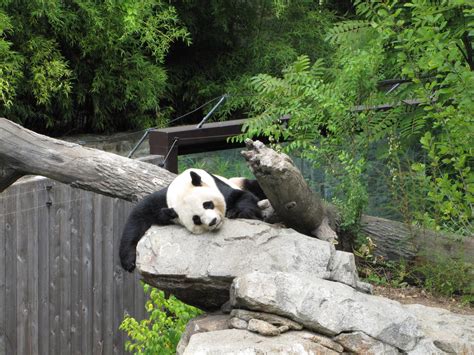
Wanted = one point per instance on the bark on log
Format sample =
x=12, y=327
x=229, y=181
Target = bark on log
x=289, y=194
x=25, y=152
x=396, y=240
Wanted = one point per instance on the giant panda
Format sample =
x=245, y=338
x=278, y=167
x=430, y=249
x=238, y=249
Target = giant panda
x=195, y=199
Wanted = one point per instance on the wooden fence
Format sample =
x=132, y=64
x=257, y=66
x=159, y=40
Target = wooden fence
x=62, y=290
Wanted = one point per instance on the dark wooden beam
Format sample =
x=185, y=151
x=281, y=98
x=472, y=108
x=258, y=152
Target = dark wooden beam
x=173, y=141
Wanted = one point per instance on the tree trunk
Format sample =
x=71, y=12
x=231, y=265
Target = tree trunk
x=289, y=194
x=396, y=240
x=25, y=152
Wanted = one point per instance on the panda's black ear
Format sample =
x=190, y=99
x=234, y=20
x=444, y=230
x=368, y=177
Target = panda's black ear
x=195, y=179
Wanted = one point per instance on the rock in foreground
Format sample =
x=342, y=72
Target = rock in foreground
x=327, y=307
x=199, y=269
x=235, y=341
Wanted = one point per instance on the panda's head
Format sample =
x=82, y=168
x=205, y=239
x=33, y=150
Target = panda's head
x=198, y=202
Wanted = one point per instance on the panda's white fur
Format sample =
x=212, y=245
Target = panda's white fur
x=190, y=201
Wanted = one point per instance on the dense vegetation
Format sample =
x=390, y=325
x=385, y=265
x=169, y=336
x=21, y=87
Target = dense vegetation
x=85, y=65
x=161, y=331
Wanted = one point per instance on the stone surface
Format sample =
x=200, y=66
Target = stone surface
x=450, y=332
x=324, y=341
x=361, y=343
x=238, y=323
x=426, y=346
x=270, y=318
x=343, y=269
x=283, y=328
x=201, y=324
x=326, y=307
x=262, y=327
x=235, y=341
x=199, y=269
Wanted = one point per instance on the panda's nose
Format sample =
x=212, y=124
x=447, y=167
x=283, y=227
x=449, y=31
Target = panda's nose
x=214, y=221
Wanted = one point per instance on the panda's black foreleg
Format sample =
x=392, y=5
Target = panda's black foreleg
x=243, y=204
x=151, y=210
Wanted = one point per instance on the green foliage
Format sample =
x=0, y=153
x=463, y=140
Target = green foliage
x=161, y=331
x=448, y=277
x=10, y=64
x=234, y=40
x=429, y=44
x=228, y=163
x=376, y=270
x=84, y=64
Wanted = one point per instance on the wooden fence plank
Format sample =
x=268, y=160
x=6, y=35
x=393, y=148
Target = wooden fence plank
x=3, y=340
x=44, y=220
x=56, y=214
x=23, y=229
x=87, y=281
x=98, y=336
x=107, y=275
x=65, y=271
x=10, y=268
x=78, y=196
x=32, y=263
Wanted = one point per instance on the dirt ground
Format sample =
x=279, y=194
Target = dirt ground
x=412, y=294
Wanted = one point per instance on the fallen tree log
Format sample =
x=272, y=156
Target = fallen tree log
x=23, y=152
x=396, y=240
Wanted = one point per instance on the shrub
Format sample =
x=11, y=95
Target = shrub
x=161, y=331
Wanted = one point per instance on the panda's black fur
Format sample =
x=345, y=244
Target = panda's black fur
x=153, y=209
x=249, y=185
x=239, y=203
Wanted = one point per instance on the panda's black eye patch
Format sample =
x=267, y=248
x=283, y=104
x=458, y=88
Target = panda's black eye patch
x=197, y=220
x=208, y=205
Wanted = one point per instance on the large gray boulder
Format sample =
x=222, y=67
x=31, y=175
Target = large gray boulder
x=243, y=342
x=199, y=269
x=450, y=332
x=326, y=307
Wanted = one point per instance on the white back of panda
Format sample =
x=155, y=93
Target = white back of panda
x=199, y=208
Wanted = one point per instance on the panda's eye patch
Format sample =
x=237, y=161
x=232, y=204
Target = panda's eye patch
x=197, y=220
x=208, y=205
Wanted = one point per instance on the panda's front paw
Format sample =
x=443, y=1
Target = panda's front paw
x=169, y=212
x=128, y=261
x=166, y=216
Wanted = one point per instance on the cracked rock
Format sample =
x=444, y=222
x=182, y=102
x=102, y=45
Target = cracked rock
x=361, y=343
x=262, y=327
x=199, y=269
x=326, y=307
x=238, y=323
x=235, y=341
x=267, y=317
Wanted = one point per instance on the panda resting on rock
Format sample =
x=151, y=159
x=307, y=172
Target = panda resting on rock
x=195, y=199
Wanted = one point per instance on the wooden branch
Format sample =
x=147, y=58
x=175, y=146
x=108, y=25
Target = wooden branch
x=22, y=150
x=289, y=194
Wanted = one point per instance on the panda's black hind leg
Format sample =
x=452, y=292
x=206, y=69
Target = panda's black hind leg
x=151, y=210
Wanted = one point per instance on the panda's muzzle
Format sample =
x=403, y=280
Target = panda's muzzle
x=213, y=222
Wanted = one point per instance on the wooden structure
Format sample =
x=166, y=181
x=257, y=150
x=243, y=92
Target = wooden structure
x=173, y=141
x=62, y=290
